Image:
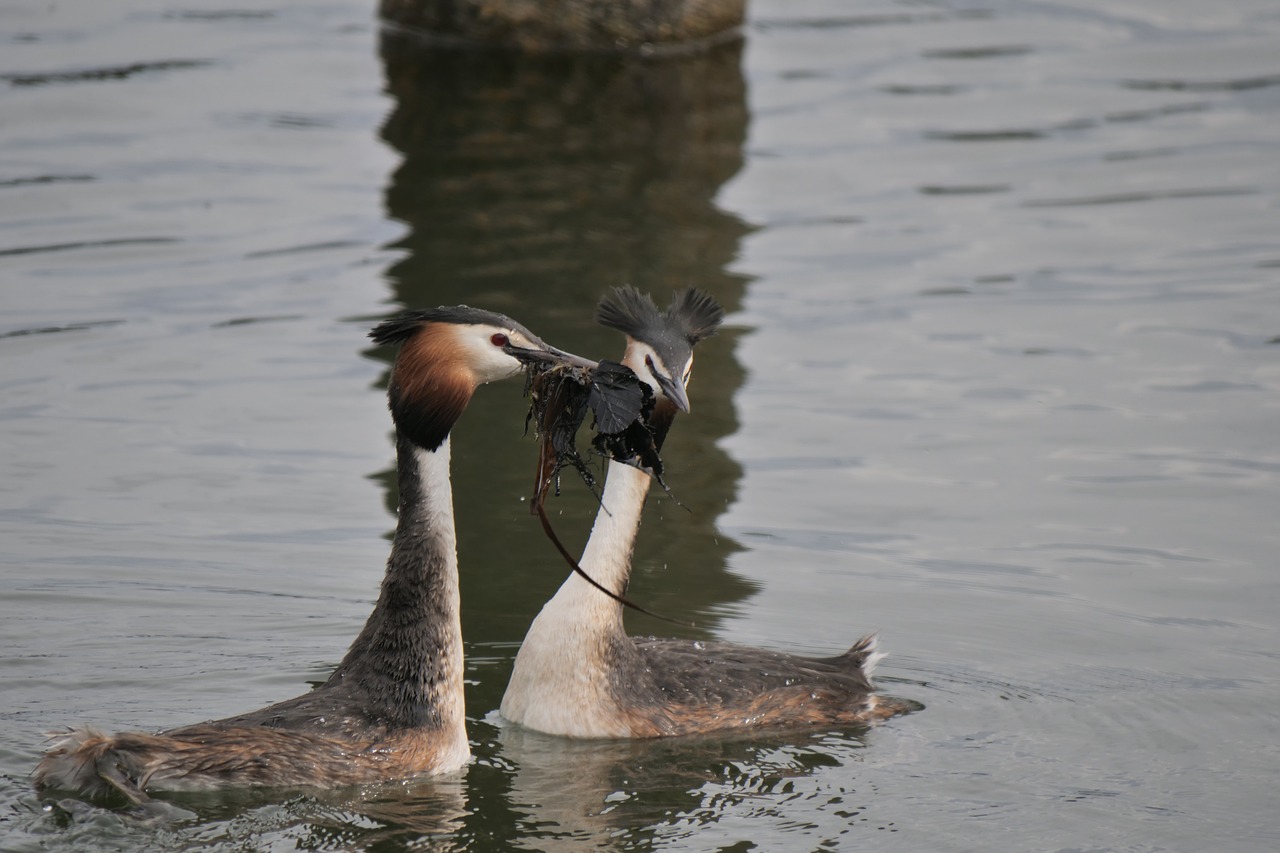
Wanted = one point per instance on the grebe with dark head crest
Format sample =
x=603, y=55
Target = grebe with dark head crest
x=394, y=706
x=578, y=673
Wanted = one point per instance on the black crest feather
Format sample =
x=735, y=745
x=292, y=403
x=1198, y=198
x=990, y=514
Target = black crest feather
x=697, y=314
x=693, y=316
x=401, y=327
x=630, y=312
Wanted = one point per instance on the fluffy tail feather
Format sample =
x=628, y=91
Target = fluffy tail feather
x=84, y=760
x=864, y=655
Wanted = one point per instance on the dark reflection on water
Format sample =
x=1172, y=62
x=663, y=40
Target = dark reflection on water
x=531, y=185
x=554, y=177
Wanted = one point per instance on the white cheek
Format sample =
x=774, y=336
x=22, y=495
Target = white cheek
x=635, y=358
x=497, y=365
x=488, y=362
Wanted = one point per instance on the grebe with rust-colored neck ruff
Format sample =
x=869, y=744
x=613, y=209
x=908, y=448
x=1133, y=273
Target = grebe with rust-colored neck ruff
x=394, y=706
x=578, y=673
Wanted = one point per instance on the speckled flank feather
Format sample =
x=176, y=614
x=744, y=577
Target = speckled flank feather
x=206, y=758
x=677, y=687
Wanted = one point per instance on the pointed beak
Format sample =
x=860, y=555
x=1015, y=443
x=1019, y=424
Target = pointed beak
x=544, y=353
x=674, y=389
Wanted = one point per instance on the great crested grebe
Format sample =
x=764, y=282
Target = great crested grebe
x=578, y=674
x=394, y=706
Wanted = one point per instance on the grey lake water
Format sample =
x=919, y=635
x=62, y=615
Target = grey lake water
x=1000, y=380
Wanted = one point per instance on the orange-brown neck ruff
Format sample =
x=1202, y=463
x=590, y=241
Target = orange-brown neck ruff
x=430, y=386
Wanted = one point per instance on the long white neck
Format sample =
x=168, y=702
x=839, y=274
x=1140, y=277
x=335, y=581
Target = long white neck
x=607, y=556
x=561, y=672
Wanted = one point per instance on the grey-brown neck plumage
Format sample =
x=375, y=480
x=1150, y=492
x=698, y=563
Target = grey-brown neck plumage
x=407, y=660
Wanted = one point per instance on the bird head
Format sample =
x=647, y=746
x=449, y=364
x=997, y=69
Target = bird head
x=660, y=344
x=448, y=352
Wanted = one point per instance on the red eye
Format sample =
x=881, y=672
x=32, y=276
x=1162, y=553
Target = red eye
x=499, y=340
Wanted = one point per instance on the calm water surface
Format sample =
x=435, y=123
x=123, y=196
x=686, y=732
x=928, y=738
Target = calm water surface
x=1000, y=382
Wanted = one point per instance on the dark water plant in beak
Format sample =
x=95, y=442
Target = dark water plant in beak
x=622, y=406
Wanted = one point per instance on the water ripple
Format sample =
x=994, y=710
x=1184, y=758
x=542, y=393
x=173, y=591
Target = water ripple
x=87, y=244
x=46, y=179
x=220, y=15
x=1237, y=85
x=1132, y=198
x=971, y=189
x=859, y=21
x=65, y=327
x=111, y=72
x=304, y=247
x=922, y=89
x=993, y=52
